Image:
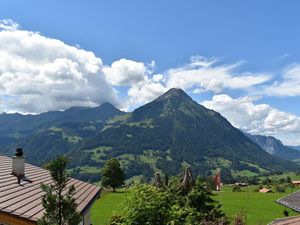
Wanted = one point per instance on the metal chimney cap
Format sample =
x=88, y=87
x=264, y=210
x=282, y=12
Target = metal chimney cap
x=19, y=152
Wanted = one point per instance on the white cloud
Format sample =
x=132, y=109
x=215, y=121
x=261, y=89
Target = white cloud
x=8, y=24
x=145, y=92
x=203, y=75
x=290, y=84
x=125, y=72
x=253, y=118
x=40, y=74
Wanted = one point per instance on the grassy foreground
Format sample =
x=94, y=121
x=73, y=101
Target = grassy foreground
x=109, y=203
x=259, y=208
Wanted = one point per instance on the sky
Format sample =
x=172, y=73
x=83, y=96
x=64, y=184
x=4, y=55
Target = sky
x=240, y=58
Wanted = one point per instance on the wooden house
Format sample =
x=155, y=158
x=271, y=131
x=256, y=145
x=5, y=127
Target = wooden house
x=21, y=203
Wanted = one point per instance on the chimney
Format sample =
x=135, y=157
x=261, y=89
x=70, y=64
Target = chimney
x=18, y=163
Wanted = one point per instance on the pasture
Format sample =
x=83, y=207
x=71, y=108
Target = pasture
x=259, y=208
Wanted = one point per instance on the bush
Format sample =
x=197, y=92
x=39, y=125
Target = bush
x=116, y=220
x=236, y=188
x=240, y=219
x=280, y=188
x=171, y=205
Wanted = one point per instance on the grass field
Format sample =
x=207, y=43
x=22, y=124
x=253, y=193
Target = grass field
x=259, y=208
x=108, y=204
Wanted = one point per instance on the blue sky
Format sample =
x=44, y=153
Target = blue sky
x=165, y=44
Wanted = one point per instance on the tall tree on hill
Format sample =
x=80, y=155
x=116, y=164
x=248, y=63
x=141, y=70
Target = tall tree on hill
x=58, y=202
x=112, y=174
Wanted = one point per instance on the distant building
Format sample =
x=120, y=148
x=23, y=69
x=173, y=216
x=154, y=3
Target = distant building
x=217, y=180
x=296, y=182
x=21, y=200
x=265, y=190
x=241, y=184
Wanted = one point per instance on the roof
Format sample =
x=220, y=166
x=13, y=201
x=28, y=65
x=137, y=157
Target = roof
x=295, y=220
x=25, y=201
x=291, y=201
x=264, y=190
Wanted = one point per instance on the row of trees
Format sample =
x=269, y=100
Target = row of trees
x=180, y=201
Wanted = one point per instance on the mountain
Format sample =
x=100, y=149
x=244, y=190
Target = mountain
x=18, y=125
x=169, y=133
x=174, y=131
x=275, y=147
x=46, y=135
x=295, y=147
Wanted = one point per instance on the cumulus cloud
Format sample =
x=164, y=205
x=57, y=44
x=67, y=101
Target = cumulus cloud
x=125, y=72
x=143, y=85
x=288, y=86
x=253, y=118
x=199, y=75
x=38, y=73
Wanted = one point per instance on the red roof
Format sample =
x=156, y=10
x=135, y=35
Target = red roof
x=25, y=200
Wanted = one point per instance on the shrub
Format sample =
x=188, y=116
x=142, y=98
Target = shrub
x=280, y=188
x=236, y=188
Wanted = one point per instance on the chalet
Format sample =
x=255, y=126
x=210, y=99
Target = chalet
x=291, y=201
x=296, y=183
x=265, y=190
x=295, y=220
x=21, y=200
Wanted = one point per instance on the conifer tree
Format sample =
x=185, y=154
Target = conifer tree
x=58, y=202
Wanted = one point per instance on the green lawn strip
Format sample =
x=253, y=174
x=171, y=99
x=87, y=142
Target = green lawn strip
x=109, y=203
x=258, y=207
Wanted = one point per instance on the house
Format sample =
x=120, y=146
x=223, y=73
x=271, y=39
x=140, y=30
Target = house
x=241, y=184
x=291, y=201
x=296, y=183
x=265, y=190
x=21, y=200
x=295, y=220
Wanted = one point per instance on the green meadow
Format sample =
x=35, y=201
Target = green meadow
x=109, y=203
x=258, y=208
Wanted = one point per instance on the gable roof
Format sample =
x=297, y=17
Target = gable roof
x=265, y=190
x=291, y=201
x=25, y=201
x=295, y=220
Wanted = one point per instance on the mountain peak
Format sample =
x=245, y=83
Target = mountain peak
x=174, y=93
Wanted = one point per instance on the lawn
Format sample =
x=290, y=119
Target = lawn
x=259, y=208
x=108, y=204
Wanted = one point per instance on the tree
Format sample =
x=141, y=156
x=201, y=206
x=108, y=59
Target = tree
x=58, y=202
x=148, y=205
x=151, y=205
x=112, y=174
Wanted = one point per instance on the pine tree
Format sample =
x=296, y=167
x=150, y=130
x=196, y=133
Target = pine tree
x=58, y=202
x=112, y=174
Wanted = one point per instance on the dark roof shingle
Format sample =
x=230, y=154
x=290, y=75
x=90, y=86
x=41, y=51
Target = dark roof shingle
x=25, y=200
